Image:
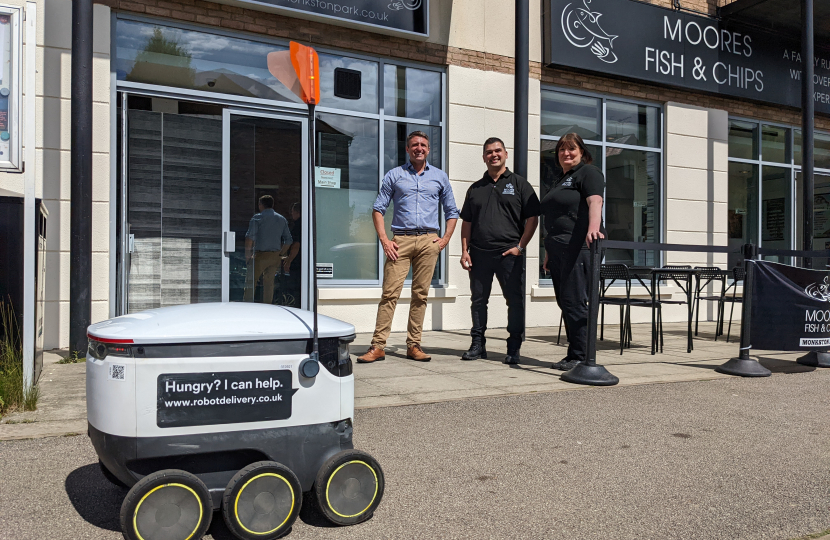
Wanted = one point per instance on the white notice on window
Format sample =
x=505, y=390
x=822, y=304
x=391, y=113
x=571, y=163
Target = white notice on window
x=327, y=177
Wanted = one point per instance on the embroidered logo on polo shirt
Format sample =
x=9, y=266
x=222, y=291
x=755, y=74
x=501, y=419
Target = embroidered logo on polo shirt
x=568, y=183
x=508, y=189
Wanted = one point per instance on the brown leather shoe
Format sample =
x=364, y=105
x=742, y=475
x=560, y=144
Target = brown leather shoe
x=374, y=354
x=415, y=352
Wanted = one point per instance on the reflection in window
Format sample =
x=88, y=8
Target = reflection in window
x=821, y=149
x=632, y=124
x=346, y=236
x=368, y=101
x=631, y=202
x=743, y=139
x=412, y=93
x=742, y=208
x=774, y=144
x=565, y=113
x=776, y=204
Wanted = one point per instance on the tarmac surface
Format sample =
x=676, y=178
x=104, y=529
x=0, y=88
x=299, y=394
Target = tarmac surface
x=728, y=458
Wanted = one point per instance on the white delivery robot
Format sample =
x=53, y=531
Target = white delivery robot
x=215, y=406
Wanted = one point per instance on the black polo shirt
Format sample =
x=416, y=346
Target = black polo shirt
x=565, y=208
x=497, y=210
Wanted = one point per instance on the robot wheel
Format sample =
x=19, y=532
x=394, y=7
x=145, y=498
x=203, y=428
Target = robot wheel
x=262, y=501
x=349, y=487
x=166, y=505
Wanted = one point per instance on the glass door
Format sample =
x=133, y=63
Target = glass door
x=265, y=164
x=821, y=215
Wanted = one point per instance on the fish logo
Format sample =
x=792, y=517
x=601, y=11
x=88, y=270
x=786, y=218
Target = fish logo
x=581, y=28
x=411, y=5
x=819, y=291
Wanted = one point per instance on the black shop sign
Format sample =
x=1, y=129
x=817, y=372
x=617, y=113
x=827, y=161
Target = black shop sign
x=399, y=16
x=659, y=45
x=202, y=399
x=790, y=309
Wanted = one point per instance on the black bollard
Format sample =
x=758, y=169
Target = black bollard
x=589, y=372
x=744, y=365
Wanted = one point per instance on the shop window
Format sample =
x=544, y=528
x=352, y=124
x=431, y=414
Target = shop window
x=775, y=142
x=346, y=237
x=821, y=149
x=743, y=140
x=742, y=219
x=153, y=53
x=10, y=90
x=628, y=154
x=411, y=93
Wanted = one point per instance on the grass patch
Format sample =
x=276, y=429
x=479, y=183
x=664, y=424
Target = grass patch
x=12, y=395
x=74, y=357
x=24, y=421
x=814, y=535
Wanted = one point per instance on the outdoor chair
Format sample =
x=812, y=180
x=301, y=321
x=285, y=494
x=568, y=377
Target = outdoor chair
x=684, y=281
x=709, y=275
x=609, y=274
x=738, y=277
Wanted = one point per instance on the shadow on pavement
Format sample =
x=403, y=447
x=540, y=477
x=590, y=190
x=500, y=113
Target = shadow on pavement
x=94, y=497
x=310, y=513
x=784, y=366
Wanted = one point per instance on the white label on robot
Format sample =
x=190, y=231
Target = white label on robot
x=117, y=372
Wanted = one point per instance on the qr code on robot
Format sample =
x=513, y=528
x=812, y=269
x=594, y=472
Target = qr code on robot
x=117, y=372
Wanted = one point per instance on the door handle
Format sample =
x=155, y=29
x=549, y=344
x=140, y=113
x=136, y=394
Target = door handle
x=229, y=241
x=131, y=243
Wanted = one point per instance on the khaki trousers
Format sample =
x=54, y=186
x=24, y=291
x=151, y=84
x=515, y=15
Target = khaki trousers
x=421, y=253
x=265, y=264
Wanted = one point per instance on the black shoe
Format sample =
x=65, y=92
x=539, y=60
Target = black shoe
x=560, y=365
x=512, y=357
x=570, y=364
x=476, y=351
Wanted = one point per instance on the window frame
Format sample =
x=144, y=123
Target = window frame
x=793, y=168
x=300, y=108
x=603, y=144
x=15, y=162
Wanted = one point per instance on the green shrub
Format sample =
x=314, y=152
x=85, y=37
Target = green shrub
x=12, y=394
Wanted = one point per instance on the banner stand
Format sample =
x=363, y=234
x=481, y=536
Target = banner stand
x=745, y=365
x=589, y=372
x=815, y=359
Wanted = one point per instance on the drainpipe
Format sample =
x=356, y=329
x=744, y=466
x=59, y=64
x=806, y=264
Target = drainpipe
x=80, y=255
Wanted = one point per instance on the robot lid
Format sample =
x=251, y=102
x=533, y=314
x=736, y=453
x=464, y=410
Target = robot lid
x=216, y=322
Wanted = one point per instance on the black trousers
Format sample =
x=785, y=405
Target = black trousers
x=509, y=270
x=569, y=271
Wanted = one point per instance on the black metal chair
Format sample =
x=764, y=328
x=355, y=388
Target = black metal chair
x=684, y=282
x=609, y=274
x=705, y=276
x=738, y=277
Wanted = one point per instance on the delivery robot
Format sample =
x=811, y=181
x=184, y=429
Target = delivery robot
x=203, y=407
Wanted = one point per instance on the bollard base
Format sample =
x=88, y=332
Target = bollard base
x=744, y=367
x=590, y=374
x=815, y=359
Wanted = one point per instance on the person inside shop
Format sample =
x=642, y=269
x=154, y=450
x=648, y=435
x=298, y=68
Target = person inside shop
x=500, y=213
x=417, y=188
x=292, y=263
x=572, y=216
x=267, y=239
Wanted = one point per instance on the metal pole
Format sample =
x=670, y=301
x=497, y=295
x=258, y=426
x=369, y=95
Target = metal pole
x=744, y=365
x=588, y=372
x=80, y=254
x=522, y=82
x=313, y=243
x=807, y=123
x=30, y=244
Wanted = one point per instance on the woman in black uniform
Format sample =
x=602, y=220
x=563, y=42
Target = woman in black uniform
x=572, y=211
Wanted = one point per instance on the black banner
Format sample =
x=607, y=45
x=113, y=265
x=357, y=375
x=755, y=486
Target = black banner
x=200, y=399
x=410, y=16
x=660, y=45
x=790, y=308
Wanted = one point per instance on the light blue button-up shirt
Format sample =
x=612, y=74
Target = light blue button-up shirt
x=269, y=231
x=416, y=197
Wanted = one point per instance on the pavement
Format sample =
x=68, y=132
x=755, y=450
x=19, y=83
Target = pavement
x=399, y=381
x=717, y=459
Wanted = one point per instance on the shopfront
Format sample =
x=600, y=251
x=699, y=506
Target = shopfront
x=205, y=131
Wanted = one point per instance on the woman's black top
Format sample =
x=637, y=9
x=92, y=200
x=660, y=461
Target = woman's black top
x=565, y=208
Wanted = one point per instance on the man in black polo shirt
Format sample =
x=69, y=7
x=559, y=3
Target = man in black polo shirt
x=500, y=215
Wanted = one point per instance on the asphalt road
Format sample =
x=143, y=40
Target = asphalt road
x=731, y=459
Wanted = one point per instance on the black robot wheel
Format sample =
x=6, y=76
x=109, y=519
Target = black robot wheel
x=262, y=501
x=111, y=477
x=166, y=505
x=349, y=487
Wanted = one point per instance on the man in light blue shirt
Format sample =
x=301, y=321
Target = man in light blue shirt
x=417, y=189
x=267, y=238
